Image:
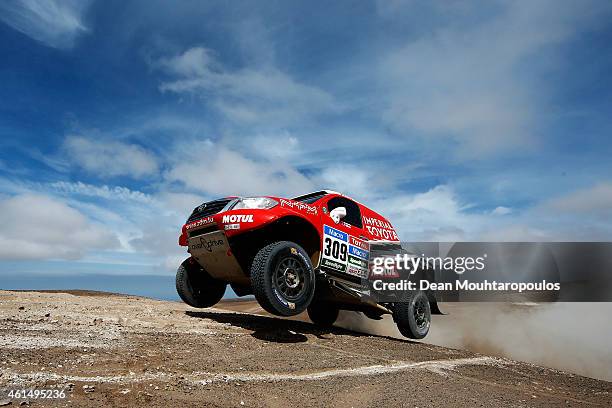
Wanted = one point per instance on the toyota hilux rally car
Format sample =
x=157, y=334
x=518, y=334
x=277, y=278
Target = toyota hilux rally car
x=310, y=252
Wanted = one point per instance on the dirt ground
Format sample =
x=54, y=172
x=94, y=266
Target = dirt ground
x=115, y=351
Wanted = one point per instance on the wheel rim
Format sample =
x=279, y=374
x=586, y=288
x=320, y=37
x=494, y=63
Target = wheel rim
x=420, y=313
x=289, y=278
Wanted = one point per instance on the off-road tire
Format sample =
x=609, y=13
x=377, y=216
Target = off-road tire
x=323, y=314
x=196, y=287
x=413, y=315
x=266, y=272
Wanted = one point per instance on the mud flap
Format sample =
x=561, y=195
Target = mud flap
x=213, y=252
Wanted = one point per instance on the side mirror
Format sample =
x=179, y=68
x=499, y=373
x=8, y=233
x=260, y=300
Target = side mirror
x=337, y=214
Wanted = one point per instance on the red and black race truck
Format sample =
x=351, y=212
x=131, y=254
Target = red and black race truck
x=310, y=252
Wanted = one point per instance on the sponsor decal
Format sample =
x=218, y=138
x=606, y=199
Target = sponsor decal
x=358, y=252
x=335, y=249
x=327, y=230
x=357, y=262
x=298, y=205
x=199, y=223
x=333, y=265
x=238, y=218
x=294, y=251
x=379, y=228
x=207, y=244
x=344, y=253
x=359, y=243
x=362, y=273
x=280, y=298
x=232, y=226
x=306, y=260
x=290, y=305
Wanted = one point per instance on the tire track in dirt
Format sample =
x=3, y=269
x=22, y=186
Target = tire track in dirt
x=437, y=366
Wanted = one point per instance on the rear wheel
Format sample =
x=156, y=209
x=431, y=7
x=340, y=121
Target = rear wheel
x=413, y=316
x=196, y=287
x=282, y=277
x=323, y=313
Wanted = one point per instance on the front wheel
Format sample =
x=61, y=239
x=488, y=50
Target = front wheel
x=413, y=316
x=196, y=287
x=283, y=278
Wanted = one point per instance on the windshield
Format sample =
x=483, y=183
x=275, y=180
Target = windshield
x=311, y=198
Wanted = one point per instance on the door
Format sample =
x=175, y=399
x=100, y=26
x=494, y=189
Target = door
x=345, y=252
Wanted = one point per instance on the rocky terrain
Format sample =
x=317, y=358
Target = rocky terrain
x=115, y=351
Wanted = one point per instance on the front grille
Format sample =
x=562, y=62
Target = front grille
x=209, y=208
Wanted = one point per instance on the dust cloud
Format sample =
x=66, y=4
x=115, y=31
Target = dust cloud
x=574, y=337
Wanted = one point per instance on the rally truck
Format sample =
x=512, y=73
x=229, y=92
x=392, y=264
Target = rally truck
x=310, y=252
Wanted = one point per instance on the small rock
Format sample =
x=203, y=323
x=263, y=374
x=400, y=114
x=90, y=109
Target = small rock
x=89, y=388
x=124, y=391
x=20, y=308
x=4, y=402
x=47, y=314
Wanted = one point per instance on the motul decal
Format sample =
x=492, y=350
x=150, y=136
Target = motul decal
x=238, y=218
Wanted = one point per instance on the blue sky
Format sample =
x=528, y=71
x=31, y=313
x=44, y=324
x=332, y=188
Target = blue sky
x=458, y=121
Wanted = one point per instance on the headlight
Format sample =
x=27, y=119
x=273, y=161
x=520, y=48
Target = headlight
x=264, y=203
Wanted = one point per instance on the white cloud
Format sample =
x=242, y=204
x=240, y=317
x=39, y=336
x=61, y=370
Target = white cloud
x=516, y=233
x=40, y=227
x=250, y=95
x=592, y=201
x=501, y=210
x=440, y=215
x=56, y=23
x=467, y=82
x=110, y=158
x=102, y=191
x=434, y=215
x=159, y=236
x=349, y=180
x=282, y=146
x=217, y=170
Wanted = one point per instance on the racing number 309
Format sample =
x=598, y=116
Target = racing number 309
x=335, y=249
